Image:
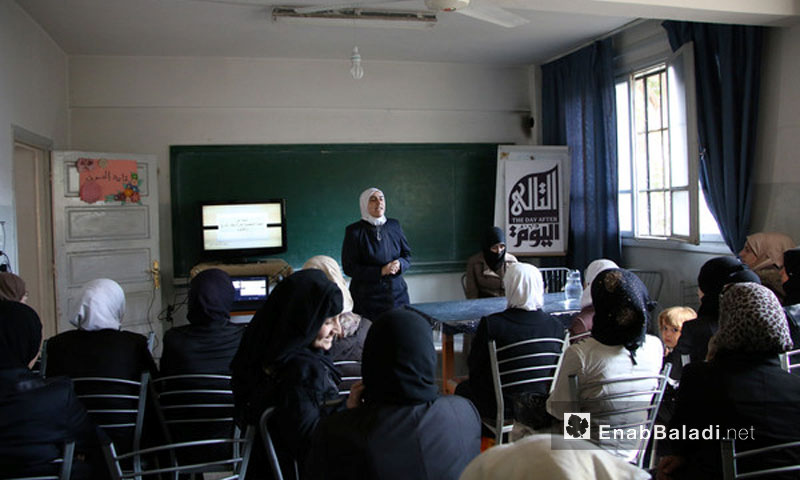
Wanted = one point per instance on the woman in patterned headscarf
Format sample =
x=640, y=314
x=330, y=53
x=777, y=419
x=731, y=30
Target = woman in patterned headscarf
x=763, y=253
x=619, y=347
x=741, y=387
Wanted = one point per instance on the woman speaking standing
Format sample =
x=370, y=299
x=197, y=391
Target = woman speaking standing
x=375, y=253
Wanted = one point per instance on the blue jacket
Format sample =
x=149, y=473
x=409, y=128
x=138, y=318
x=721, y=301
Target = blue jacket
x=363, y=255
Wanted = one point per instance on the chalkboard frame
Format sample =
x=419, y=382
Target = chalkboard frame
x=442, y=194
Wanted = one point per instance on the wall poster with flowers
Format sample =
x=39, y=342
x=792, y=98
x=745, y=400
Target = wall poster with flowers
x=108, y=180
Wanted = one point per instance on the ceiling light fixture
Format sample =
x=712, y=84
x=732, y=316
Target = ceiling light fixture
x=356, y=70
x=360, y=17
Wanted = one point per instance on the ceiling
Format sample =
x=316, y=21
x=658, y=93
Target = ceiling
x=244, y=28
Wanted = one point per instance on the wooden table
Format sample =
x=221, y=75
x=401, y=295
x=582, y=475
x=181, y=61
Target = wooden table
x=463, y=316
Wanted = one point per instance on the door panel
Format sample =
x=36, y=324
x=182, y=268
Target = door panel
x=106, y=240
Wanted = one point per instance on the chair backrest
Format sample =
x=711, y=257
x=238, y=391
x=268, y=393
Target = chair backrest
x=623, y=403
x=730, y=458
x=522, y=363
x=269, y=446
x=237, y=463
x=790, y=361
x=197, y=407
x=351, y=373
x=117, y=406
x=555, y=278
x=62, y=463
x=652, y=279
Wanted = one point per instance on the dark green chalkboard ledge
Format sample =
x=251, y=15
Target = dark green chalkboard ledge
x=442, y=194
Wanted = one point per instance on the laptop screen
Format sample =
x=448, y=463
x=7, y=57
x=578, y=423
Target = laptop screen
x=251, y=292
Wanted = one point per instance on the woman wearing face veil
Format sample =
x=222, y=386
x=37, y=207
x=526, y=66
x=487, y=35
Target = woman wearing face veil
x=282, y=362
x=487, y=268
x=37, y=416
x=375, y=253
x=403, y=429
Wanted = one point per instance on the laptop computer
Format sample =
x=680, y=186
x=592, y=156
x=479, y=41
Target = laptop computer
x=251, y=292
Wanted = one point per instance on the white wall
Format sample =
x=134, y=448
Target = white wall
x=33, y=97
x=146, y=104
x=777, y=170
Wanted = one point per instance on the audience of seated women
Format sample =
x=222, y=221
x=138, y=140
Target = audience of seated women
x=741, y=387
x=523, y=319
x=98, y=348
x=37, y=416
x=582, y=323
x=209, y=342
x=790, y=274
x=403, y=429
x=282, y=361
x=619, y=347
x=487, y=268
x=763, y=253
x=695, y=334
x=350, y=344
x=12, y=287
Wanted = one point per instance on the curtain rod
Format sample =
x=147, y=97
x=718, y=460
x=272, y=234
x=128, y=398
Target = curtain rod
x=628, y=25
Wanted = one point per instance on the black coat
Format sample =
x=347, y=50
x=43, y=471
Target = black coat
x=200, y=349
x=363, y=255
x=36, y=417
x=740, y=391
x=694, y=338
x=510, y=326
x=106, y=353
x=433, y=440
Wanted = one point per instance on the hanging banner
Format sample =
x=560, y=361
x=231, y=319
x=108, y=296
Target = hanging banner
x=535, y=199
x=103, y=179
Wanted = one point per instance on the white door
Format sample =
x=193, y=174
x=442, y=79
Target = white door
x=107, y=240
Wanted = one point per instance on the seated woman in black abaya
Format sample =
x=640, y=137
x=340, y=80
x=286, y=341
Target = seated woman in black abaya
x=282, y=362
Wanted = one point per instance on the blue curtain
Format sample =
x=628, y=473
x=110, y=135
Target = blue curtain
x=579, y=110
x=727, y=62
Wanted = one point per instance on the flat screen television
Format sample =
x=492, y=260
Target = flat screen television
x=238, y=230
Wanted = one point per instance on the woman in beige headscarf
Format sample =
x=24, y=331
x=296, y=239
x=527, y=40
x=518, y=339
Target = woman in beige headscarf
x=12, y=287
x=354, y=326
x=763, y=253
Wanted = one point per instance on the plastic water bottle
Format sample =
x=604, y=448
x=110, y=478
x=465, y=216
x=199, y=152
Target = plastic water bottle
x=573, y=289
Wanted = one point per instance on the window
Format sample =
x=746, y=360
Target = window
x=657, y=153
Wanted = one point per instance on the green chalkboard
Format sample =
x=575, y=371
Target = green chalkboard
x=442, y=194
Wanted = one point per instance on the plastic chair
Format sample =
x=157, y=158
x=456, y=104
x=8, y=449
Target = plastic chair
x=117, y=406
x=514, y=365
x=555, y=278
x=730, y=457
x=269, y=446
x=652, y=279
x=236, y=463
x=351, y=373
x=65, y=469
x=790, y=361
x=198, y=407
x=624, y=408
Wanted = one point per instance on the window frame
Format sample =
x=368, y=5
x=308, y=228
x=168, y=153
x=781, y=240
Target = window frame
x=680, y=84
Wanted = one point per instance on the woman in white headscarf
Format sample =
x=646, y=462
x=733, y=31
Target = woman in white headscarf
x=350, y=344
x=524, y=319
x=98, y=347
x=375, y=253
x=582, y=322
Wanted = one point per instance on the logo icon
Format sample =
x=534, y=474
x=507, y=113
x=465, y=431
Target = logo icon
x=576, y=425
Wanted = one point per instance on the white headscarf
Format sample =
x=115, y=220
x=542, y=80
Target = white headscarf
x=524, y=286
x=102, y=306
x=334, y=274
x=364, y=201
x=592, y=270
